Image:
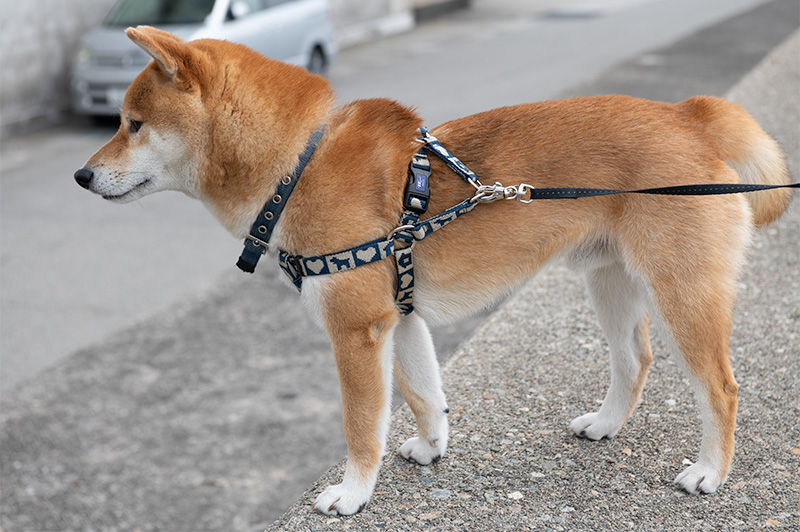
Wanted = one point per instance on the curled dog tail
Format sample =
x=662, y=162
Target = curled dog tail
x=754, y=155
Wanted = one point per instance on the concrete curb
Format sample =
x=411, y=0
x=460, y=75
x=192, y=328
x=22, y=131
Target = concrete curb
x=513, y=465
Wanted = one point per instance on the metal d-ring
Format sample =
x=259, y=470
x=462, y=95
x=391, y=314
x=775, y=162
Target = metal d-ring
x=397, y=230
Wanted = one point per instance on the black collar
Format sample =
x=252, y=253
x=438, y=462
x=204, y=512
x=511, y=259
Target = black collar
x=257, y=242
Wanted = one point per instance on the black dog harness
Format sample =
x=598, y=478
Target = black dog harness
x=400, y=241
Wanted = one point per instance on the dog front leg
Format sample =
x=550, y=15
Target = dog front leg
x=417, y=374
x=364, y=363
x=621, y=305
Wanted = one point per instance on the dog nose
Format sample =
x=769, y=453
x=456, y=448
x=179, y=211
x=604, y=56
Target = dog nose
x=84, y=176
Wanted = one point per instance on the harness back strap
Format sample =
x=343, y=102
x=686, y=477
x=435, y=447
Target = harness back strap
x=433, y=144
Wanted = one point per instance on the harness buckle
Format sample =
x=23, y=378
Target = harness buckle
x=418, y=190
x=257, y=242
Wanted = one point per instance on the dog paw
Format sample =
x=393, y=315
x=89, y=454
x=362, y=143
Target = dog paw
x=594, y=427
x=339, y=500
x=421, y=451
x=699, y=478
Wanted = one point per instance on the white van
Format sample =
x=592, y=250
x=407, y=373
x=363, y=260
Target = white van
x=296, y=31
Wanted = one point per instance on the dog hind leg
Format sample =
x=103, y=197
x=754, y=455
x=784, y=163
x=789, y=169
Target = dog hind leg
x=716, y=394
x=693, y=282
x=703, y=351
x=621, y=306
x=704, y=355
x=417, y=374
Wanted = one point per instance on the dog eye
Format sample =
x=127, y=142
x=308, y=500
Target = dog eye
x=134, y=125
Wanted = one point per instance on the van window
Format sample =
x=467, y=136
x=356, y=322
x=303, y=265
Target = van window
x=159, y=12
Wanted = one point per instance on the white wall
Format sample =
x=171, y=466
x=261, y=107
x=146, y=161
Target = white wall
x=38, y=37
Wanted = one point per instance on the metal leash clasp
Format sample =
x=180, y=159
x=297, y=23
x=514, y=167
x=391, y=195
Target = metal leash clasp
x=490, y=193
x=522, y=193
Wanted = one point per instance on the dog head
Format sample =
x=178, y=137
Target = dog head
x=212, y=119
x=155, y=147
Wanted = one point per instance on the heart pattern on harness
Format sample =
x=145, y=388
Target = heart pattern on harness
x=405, y=280
x=315, y=265
x=365, y=255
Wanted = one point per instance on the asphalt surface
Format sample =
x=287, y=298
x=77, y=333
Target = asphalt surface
x=163, y=426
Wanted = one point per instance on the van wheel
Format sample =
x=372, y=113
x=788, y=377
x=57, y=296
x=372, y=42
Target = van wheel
x=317, y=64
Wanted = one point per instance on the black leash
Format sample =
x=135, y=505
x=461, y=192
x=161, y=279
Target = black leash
x=678, y=190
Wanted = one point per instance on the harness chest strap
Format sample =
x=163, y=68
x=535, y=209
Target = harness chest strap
x=296, y=267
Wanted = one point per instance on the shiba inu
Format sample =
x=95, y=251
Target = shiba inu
x=228, y=126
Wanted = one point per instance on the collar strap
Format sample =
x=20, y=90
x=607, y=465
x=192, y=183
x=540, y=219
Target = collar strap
x=257, y=242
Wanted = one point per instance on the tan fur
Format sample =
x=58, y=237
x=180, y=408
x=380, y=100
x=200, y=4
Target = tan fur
x=754, y=155
x=244, y=120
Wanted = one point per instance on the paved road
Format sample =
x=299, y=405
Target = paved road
x=195, y=418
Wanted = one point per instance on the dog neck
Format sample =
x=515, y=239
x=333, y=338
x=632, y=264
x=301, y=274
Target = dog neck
x=352, y=190
x=253, y=146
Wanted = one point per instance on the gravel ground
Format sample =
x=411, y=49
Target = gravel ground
x=540, y=361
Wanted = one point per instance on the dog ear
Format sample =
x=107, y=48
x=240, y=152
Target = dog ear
x=171, y=54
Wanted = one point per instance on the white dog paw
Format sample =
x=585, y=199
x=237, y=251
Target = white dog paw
x=594, y=426
x=699, y=478
x=339, y=500
x=421, y=451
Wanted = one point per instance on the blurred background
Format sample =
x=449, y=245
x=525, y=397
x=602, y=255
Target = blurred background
x=40, y=39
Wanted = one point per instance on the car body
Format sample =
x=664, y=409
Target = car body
x=299, y=32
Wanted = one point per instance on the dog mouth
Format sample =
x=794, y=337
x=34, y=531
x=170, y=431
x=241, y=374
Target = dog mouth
x=128, y=194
